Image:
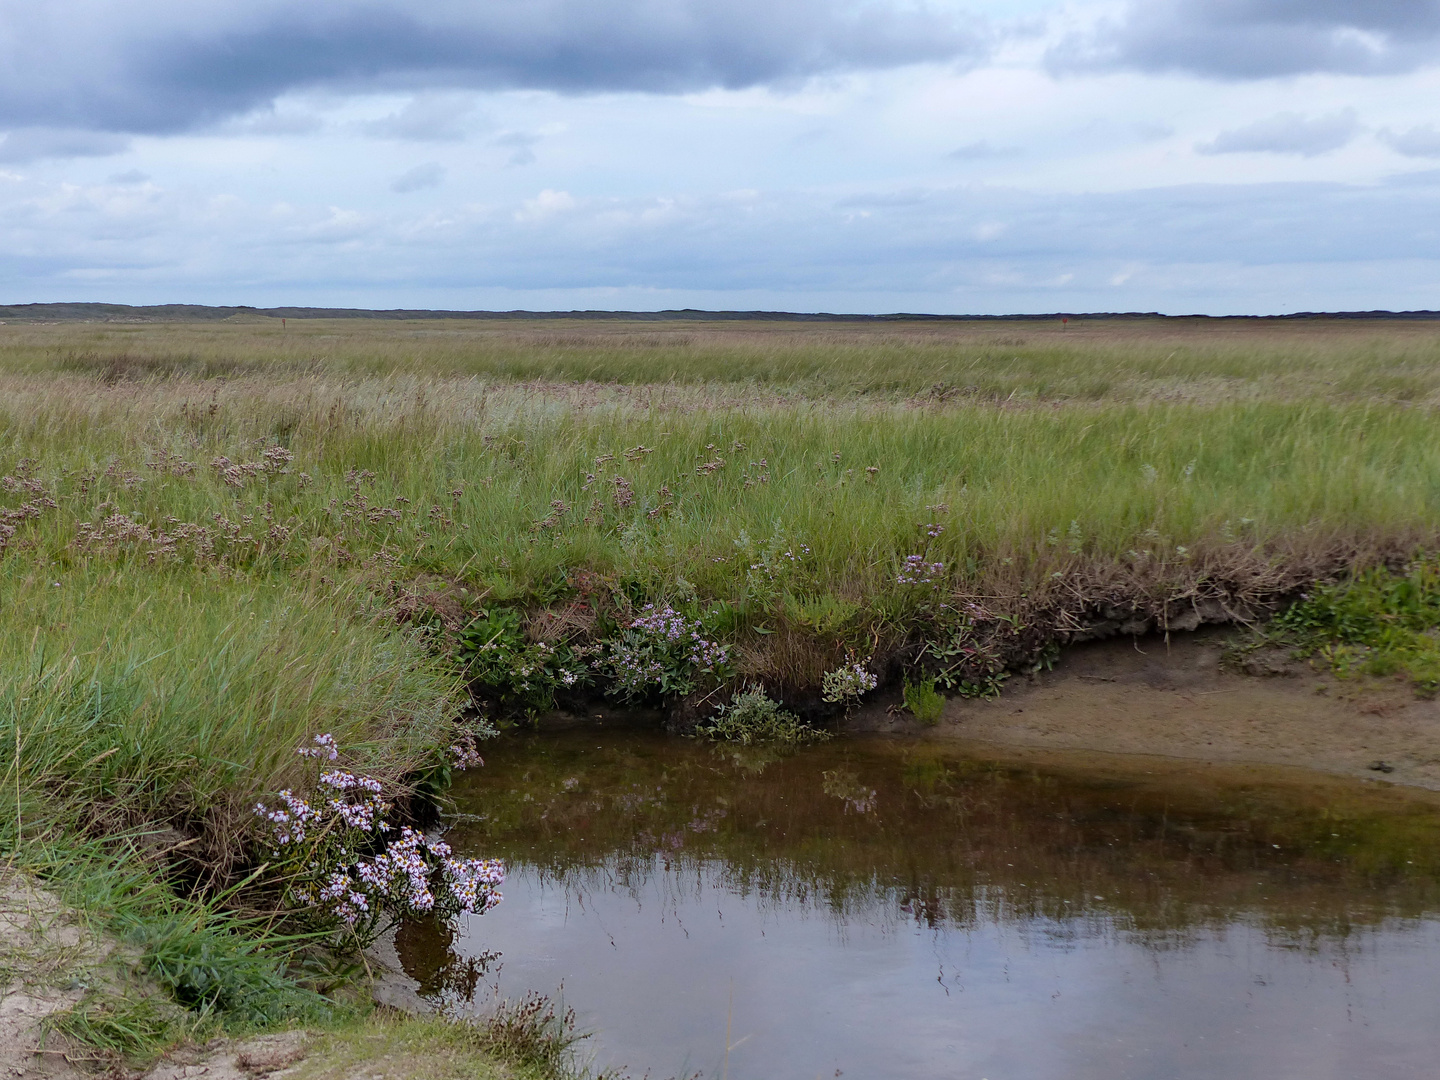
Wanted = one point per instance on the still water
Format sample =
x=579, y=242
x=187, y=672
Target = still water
x=887, y=910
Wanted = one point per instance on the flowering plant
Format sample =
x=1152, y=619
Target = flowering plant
x=776, y=566
x=523, y=675
x=916, y=571
x=661, y=650
x=325, y=847
x=847, y=683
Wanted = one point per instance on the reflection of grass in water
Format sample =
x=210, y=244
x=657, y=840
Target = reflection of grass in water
x=925, y=836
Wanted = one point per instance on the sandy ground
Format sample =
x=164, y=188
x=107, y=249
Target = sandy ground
x=1144, y=697
x=44, y=957
x=48, y=959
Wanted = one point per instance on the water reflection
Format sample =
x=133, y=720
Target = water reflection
x=887, y=909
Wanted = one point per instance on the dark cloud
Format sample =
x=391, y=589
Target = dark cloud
x=1422, y=141
x=1287, y=133
x=420, y=177
x=167, y=65
x=35, y=143
x=1248, y=39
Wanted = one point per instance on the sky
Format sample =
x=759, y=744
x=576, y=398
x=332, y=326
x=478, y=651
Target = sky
x=990, y=157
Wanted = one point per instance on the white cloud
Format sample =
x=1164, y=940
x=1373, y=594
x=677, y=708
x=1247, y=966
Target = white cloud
x=983, y=150
x=1256, y=39
x=815, y=154
x=35, y=143
x=545, y=205
x=427, y=118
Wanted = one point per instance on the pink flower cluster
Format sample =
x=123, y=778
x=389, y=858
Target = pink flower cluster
x=345, y=903
x=288, y=825
x=341, y=780
x=474, y=883
x=412, y=875
x=676, y=629
x=401, y=871
x=465, y=755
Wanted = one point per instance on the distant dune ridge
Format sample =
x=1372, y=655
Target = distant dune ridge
x=95, y=312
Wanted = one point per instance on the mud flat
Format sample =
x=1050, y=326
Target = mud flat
x=1144, y=696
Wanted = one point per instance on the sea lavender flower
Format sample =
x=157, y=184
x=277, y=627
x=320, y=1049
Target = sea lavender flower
x=916, y=571
x=847, y=683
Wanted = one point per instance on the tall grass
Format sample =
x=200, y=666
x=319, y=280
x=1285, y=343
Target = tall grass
x=138, y=696
x=1135, y=359
x=467, y=474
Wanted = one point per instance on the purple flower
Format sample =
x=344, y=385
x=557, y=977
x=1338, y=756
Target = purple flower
x=916, y=571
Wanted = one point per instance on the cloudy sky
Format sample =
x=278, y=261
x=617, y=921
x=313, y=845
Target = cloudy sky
x=1221, y=156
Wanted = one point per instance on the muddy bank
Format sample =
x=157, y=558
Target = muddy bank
x=1167, y=699
x=1177, y=700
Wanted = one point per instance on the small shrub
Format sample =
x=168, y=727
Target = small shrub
x=222, y=971
x=966, y=666
x=752, y=717
x=1378, y=623
x=521, y=675
x=847, y=683
x=662, y=651
x=533, y=1032
x=924, y=701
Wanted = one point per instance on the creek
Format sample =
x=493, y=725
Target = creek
x=888, y=909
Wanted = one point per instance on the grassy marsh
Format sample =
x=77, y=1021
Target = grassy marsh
x=1086, y=360
x=217, y=540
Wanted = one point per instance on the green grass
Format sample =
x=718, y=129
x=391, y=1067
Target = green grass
x=176, y=625
x=1090, y=360
x=139, y=696
x=1378, y=623
x=181, y=968
x=923, y=700
x=173, y=625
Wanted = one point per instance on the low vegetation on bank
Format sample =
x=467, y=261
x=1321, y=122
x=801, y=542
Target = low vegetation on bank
x=219, y=543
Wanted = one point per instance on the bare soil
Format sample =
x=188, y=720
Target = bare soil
x=1175, y=699
x=49, y=958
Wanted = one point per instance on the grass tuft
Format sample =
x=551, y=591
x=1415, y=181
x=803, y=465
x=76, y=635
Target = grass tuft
x=1378, y=623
